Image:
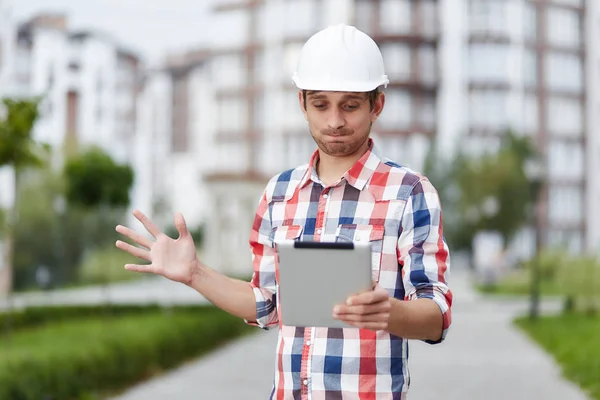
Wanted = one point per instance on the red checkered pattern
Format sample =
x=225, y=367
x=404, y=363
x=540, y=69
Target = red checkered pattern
x=395, y=209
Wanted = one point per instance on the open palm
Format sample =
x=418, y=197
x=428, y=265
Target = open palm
x=175, y=259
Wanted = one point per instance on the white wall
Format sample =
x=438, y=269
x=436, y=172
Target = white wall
x=452, y=97
x=7, y=41
x=7, y=32
x=593, y=126
x=152, y=146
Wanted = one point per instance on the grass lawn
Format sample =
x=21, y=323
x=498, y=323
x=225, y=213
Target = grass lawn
x=574, y=341
x=517, y=283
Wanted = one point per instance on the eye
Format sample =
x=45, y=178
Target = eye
x=351, y=106
x=319, y=106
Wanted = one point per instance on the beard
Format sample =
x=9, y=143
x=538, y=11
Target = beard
x=343, y=147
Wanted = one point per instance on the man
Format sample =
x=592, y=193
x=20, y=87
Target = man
x=346, y=192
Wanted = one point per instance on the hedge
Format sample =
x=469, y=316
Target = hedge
x=92, y=357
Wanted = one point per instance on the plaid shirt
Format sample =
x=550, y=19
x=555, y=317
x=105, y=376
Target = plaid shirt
x=399, y=212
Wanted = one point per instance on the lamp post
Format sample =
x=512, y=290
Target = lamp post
x=535, y=173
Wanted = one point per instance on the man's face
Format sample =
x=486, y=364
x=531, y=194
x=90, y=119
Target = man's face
x=340, y=122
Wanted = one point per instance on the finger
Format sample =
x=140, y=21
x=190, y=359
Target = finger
x=364, y=309
x=149, y=225
x=180, y=224
x=141, y=268
x=370, y=297
x=357, y=318
x=134, y=251
x=135, y=236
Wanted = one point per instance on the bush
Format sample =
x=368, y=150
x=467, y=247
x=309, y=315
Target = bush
x=106, y=265
x=92, y=357
x=580, y=283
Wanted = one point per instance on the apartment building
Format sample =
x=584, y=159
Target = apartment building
x=6, y=45
x=89, y=83
x=592, y=144
x=7, y=42
x=175, y=120
x=461, y=71
x=526, y=71
x=260, y=130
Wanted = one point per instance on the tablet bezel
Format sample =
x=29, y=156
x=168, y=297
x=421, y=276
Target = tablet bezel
x=309, y=283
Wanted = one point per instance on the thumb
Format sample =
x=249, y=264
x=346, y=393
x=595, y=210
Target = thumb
x=180, y=224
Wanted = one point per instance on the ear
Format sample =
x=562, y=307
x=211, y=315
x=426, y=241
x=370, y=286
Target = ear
x=302, y=105
x=378, y=107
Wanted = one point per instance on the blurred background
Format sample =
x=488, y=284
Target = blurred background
x=189, y=106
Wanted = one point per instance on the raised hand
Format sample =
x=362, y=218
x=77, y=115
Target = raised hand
x=175, y=259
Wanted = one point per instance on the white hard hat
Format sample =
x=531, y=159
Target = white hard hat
x=340, y=58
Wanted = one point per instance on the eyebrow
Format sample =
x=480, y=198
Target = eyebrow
x=317, y=95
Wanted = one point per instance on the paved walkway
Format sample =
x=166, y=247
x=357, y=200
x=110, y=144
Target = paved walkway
x=484, y=357
x=151, y=290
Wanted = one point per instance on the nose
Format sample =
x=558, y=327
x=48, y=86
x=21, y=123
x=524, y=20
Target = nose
x=335, y=119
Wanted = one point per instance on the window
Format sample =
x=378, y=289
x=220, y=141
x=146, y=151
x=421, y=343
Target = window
x=428, y=112
x=488, y=16
x=567, y=160
x=530, y=68
x=299, y=17
x=530, y=114
x=564, y=72
x=429, y=15
x=564, y=27
x=292, y=116
x=488, y=109
x=574, y=3
x=364, y=15
x=291, y=56
x=232, y=115
x=530, y=22
x=397, y=112
x=565, y=204
x=229, y=71
x=565, y=116
x=570, y=240
x=428, y=64
x=488, y=62
x=259, y=111
x=397, y=61
x=395, y=16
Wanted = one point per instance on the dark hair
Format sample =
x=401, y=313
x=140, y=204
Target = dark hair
x=371, y=96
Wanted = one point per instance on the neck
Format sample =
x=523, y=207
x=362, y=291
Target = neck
x=331, y=168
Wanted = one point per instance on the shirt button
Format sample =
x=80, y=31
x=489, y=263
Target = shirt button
x=325, y=195
x=305, y=382
x=319, y=231
x=308, y=343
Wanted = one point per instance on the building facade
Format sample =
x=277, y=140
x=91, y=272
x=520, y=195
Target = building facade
x=462, y=72
x=89, y=84
x=592, y=31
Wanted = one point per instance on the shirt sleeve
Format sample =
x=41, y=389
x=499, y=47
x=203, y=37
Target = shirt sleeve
x=263, y=281
x=423, y=251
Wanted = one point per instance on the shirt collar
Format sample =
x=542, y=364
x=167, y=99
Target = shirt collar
x=357, y=176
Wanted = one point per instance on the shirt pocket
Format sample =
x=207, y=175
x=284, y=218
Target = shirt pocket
x=372, y=234
x=285, y=233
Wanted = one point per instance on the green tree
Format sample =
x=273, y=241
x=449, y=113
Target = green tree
x=94, y=179
x=95, y=182
x=20, y=151
x=490, y=192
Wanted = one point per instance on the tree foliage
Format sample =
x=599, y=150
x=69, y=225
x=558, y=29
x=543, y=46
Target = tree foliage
x=94, y=179
x=17, y=146
x=490, y=192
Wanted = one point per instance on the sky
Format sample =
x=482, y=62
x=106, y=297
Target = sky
x=151, y=27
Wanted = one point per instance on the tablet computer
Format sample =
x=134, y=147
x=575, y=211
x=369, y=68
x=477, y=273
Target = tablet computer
x=316, y=276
